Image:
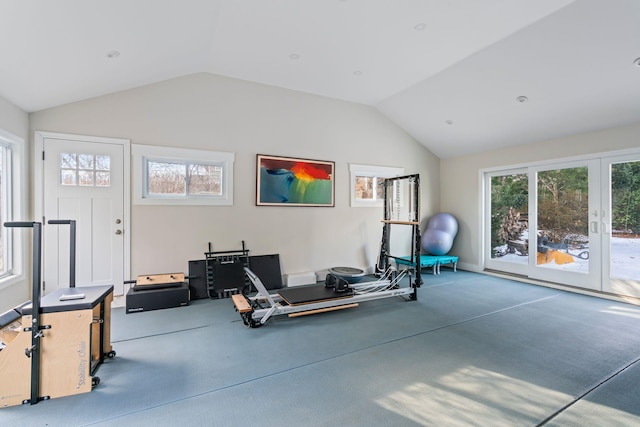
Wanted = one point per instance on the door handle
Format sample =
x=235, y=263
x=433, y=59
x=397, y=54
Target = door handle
x=118, y=231
x=594, y=226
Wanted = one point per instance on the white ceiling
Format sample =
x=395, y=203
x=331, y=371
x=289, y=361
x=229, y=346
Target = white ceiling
x=446, y=71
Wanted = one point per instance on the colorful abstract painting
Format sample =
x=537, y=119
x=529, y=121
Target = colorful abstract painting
x=286, y=181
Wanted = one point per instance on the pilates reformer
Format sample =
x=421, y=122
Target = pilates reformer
x=334, y=294
x=337, y=293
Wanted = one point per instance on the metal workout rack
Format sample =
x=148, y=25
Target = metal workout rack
x=392, y=205
x=225, y=274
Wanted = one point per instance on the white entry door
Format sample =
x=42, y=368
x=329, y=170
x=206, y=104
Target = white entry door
x=84, y=180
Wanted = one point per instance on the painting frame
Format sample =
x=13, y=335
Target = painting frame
x=294, y=181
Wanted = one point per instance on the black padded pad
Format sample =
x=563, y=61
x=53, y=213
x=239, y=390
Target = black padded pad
x=311, y=294
x=228, y=275
x=267, y=268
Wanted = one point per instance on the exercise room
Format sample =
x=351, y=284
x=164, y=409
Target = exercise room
x=320, y=212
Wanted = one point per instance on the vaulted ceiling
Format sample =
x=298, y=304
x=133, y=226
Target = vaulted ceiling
x=460, y=76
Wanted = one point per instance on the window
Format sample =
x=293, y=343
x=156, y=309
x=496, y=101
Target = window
x=11, y=159
x=173, y=176
x=85, y=170
x=366, y=184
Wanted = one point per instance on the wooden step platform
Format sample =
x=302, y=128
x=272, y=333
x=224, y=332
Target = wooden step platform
x=241, y=303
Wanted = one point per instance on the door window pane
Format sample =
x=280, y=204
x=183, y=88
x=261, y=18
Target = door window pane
x=103, y=163
x=103, y=179
x=563, y=219
x=625, y=221
x=85, y=178
x=80, y=169
x=85, y=161
x=67, y=177
x=509, y=218
x=68, y=161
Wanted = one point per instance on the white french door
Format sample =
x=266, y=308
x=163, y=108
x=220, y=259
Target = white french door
x=575, y=223
x=84, y=179
x=565, y=230
x=621, y=236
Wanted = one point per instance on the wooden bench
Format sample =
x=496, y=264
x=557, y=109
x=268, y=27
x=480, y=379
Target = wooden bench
x=241, y=303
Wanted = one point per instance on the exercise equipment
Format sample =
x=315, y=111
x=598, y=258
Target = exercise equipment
x=54, y=344
x=394, y=209
x=265, y=266
x=338, y=284
x=350, y=274
x=157, y=291
x=434, y=261
x=439, y=235
x=337, y=293
x=256, y=310
x=224, y=272
x=146, y=282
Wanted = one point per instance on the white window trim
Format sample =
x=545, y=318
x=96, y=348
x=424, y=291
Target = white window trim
x=20, y=241
x=372, y=171
x=142, y=152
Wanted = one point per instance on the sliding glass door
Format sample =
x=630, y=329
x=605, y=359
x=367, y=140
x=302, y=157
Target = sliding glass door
x=621, y=236
x=575, y=223
x=566, y=231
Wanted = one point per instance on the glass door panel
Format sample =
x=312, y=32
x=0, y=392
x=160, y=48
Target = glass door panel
x=567, y=225
x=508, y=222
x=621, y=270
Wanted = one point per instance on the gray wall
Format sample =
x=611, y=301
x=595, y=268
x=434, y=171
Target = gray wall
x=205, y=111
x=460, y=178
x=16, y=121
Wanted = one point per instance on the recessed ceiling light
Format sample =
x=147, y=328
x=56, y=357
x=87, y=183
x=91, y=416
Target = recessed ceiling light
x=357, y=73
x=294, y=56
x=419, y=27
x=113, y=54
x=637, y=62
x=522, y=99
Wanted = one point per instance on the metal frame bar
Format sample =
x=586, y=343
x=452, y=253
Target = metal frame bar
x=72, y=246
x=34, y=351
x=383, y=259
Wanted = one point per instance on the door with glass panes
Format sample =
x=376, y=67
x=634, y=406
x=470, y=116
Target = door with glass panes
x=574, y=223
x=84, y=181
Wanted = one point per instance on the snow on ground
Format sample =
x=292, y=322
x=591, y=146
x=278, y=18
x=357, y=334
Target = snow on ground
x=625, y=259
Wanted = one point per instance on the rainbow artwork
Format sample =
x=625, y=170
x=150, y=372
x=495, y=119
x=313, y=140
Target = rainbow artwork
x=286, y=181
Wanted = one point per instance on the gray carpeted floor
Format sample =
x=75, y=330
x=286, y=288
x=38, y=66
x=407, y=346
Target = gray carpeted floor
x=473, y=350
